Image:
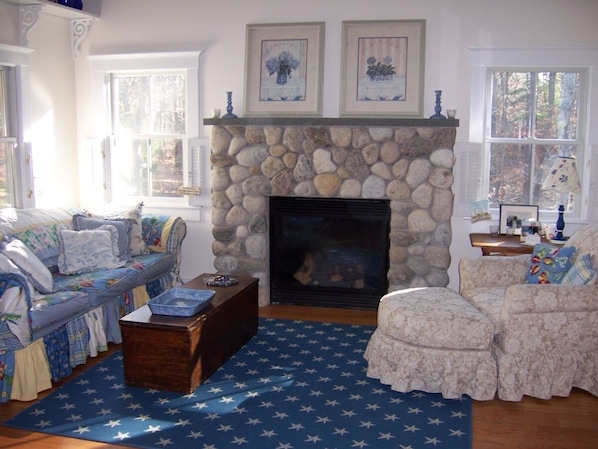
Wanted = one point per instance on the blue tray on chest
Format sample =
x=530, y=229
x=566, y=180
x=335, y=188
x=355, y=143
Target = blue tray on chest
x=180, y=301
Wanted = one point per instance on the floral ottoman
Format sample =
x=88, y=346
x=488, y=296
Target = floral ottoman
x=433, y=340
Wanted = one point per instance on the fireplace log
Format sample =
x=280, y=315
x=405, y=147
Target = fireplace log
x=303, y=274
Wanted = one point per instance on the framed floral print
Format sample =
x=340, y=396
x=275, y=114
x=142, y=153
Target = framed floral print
x=383, y=68
x=283, y=69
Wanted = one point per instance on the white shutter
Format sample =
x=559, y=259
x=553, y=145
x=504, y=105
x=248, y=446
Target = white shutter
x=196, y=175
x=591, y=171
x=468, y=176
x=94, y=183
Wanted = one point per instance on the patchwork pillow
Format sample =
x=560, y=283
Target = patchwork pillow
x=37, y=273
x=549, y=264
x=581, y=273
x=156, y=232
x=123, y=226
x=89, y=250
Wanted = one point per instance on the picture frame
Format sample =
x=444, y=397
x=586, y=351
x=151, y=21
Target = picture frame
x=383, y=68
x=283, y=69
x=524, y=212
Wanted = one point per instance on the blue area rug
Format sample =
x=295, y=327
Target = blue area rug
x=297, y=384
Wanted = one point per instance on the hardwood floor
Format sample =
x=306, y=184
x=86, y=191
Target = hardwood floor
x=559, y=423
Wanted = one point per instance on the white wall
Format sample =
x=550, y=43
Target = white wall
x=218, y=29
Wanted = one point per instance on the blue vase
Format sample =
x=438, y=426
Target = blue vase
x=281, y=78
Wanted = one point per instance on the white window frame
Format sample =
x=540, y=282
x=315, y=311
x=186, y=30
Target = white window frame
x=18, y=59
x=483, y=60
x=102, y=67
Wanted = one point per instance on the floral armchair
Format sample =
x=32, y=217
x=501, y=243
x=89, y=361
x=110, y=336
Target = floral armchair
x=546, y=335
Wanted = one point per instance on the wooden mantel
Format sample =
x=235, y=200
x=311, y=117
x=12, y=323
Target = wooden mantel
x=326, y=121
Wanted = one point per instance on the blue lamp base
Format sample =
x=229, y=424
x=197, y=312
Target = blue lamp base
x=560, y=225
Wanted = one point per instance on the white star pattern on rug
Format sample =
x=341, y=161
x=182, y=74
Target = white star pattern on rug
x=294, y=385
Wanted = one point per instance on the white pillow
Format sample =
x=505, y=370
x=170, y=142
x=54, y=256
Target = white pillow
x=7, y=266
x=37, y=273
x=89, y=250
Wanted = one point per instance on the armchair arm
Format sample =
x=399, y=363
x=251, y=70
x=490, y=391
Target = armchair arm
x=165, y=233
x=492, y=271
x=550, y=298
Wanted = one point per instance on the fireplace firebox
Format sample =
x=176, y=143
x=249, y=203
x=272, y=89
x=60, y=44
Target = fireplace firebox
x=329, y=252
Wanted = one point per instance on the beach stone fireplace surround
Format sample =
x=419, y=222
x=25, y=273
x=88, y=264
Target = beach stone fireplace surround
x=407, y=161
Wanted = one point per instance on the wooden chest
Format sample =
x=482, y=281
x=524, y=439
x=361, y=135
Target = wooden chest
x=179, y=353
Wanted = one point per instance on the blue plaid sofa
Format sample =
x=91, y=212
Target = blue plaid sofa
x=50, y=321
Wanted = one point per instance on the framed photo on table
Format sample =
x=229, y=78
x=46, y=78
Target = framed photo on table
x=383, y=68
x=520, y=211
x=283, y=69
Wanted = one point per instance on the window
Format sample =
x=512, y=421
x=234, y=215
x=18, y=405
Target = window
x=528, y=106
x=149, y=134
x=150, y=146
x=7, y=145
x=16, y=174
x=533, y=118
x=8, y=140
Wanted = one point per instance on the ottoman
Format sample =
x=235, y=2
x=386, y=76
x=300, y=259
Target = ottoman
x=431, y=339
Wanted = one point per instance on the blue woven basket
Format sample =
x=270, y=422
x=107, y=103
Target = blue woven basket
x=180, y=301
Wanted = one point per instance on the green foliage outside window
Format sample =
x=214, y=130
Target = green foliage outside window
x=149, y=129
x=534, y=118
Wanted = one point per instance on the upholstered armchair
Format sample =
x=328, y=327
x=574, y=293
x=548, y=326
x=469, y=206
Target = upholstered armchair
x=546, y=335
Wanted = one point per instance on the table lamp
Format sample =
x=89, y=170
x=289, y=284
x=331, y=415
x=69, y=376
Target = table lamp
x=562, y=179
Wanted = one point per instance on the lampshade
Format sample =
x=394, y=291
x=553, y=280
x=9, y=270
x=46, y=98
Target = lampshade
x=563, y=177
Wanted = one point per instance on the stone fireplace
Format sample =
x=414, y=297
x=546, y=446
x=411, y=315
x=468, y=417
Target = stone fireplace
x=407, y=161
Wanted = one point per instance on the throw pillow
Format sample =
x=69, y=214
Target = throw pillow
x=7, y=266
x=549, y=264
x=37, y=273
x=581, y=273
x=89, y=250
x=138, y=245
x=156, y=232
x=123, y=226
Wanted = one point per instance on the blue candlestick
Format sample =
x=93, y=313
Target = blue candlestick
x=438, y=108
x=229, y=106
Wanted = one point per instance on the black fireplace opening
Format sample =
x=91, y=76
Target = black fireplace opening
x=329, y=252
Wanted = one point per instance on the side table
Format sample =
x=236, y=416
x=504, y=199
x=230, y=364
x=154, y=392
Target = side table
x=501, y=245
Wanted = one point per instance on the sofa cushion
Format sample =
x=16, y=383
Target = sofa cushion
x=581, y=273
x=90, y=250
x=153, y=266
x=434, y=317
x=106, y=284
x=122, y=225
x=37, y=273
x=56, y=309
x=549, y=264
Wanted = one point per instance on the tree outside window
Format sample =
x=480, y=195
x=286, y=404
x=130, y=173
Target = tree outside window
x=148, y=134
x=534, y=118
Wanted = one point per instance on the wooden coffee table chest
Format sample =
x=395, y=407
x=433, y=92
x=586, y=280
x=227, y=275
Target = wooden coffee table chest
x=179, y=353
